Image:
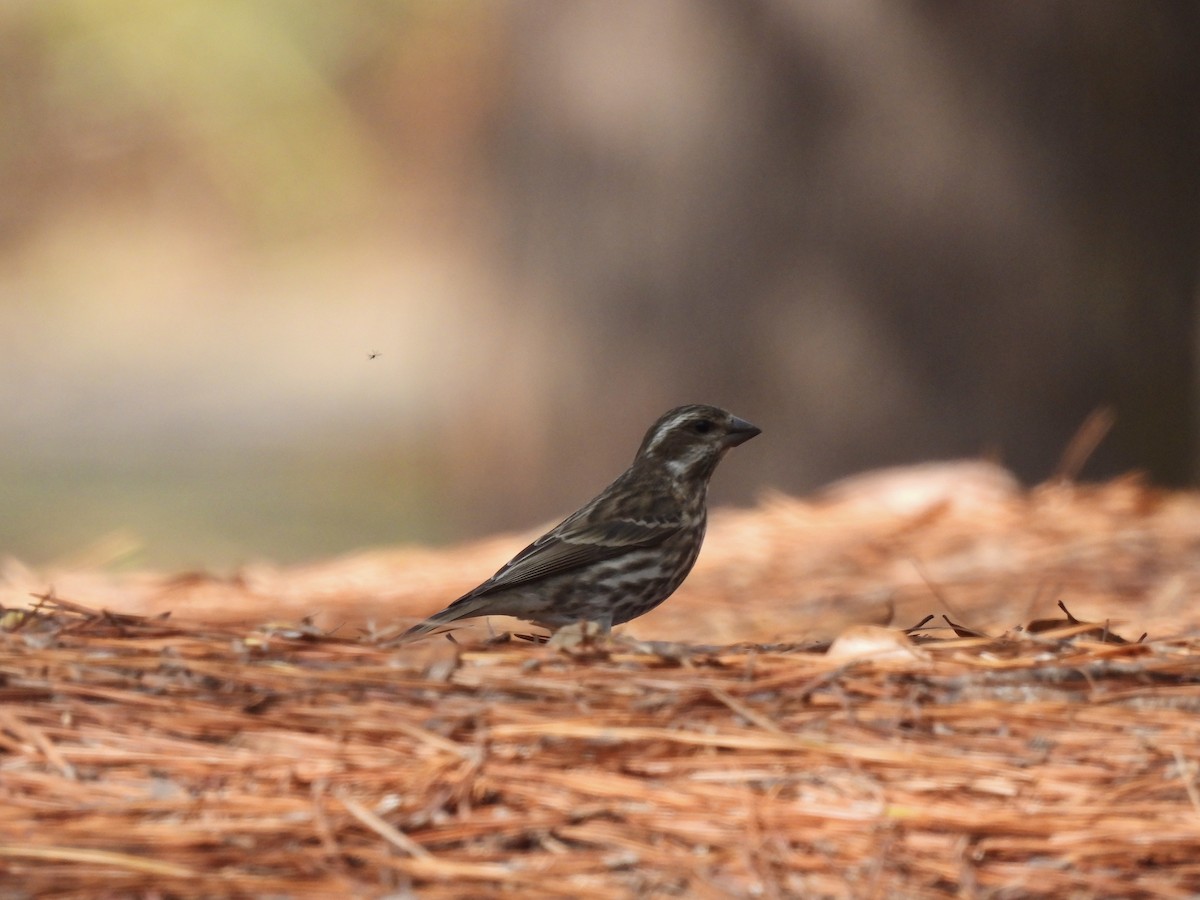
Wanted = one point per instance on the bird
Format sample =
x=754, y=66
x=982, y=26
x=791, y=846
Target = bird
x=628, y=549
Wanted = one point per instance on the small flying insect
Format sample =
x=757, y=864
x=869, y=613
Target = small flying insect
x=372, y=355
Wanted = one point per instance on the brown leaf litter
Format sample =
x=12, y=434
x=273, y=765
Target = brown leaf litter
x=230, y=748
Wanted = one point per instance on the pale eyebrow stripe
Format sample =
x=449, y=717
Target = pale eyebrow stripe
x=667, y=426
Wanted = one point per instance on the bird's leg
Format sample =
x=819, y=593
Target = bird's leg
x=582, y=633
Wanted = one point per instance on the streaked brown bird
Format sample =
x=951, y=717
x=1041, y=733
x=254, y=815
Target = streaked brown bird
x=627, y=550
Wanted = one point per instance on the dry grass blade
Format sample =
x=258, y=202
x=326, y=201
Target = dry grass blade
x=392, y=835
x=1083, y=444
x=102, y=858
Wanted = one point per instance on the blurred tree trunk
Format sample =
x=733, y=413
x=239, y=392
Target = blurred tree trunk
x=1115, y=90
x=885, y=232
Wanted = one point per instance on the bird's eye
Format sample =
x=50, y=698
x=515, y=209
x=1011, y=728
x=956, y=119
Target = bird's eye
x=702, y=426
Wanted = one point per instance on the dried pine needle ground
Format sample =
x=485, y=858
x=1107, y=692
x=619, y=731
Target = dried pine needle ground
x=191, y=756
x=144, y=756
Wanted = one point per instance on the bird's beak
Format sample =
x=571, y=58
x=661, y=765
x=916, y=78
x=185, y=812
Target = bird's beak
x=738, y=431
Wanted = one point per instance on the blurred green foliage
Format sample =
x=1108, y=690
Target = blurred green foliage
x=268, y=109
x=203, y=234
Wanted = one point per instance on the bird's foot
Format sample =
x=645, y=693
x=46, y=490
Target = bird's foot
x=580, y=636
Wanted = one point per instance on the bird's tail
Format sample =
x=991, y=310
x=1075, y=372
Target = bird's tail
x=463, y=608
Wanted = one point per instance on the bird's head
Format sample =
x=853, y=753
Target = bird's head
x=689, y=441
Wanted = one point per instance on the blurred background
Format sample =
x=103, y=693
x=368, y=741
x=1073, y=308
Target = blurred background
x=281, y=280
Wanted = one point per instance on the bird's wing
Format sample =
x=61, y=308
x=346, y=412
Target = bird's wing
x=575, y=544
